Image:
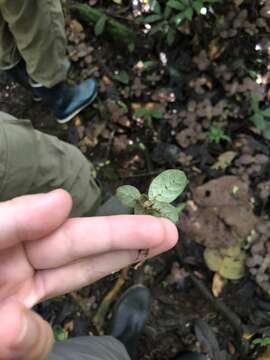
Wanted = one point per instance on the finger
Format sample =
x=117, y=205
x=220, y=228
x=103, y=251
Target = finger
x=50, y=283
x=24, y=335
x=33, y=216
x=79, y=238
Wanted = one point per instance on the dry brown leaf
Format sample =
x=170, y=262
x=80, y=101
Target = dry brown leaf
x=69, y=326
x=265, y=355
x=224, y=160
x=75, y=26
x=218, y=284
x=215, y=49
x=77, y=121
x=106, y=80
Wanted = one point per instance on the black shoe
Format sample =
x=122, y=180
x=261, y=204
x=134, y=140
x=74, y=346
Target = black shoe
x=187, y=355
x=129, y=317
x=19, y=74
x=66, y=101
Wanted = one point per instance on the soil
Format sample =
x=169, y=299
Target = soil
x=204, y=81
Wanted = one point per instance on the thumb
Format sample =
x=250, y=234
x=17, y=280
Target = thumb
x=24, y=335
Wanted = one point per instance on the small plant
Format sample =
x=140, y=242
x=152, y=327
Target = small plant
x=148, y=114
x=216, y=135
x=167, y=19
x=258, y=118
x=163, y=190
x=265, y=341
x=60, y=334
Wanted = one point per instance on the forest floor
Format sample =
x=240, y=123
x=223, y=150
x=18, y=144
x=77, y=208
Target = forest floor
x=201, y=90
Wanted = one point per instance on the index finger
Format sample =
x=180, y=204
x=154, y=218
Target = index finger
x=80, y=238
x=32, y=217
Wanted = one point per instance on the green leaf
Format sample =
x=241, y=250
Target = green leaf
x=167, y=12
x=266, y=112
x=174, y=4
x=166, y=210
x=197, y=6
x=156, y=113
x=59, y=333
x=254, y=104
x=188, y=13
x=179, y=18
x=156, y=7
x=100, y=25
x=140, y=112
x=259, y=121
x=122, y=77
x=167, y=186
x=262, y=341
x=180, y=208
x=266, y=132
x=170, y=36
x=128, y=195
x=157, y=28
x=152, y=18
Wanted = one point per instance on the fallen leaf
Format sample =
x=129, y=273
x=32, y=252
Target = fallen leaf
x=224, y=160
x=265, y=355
x=217, y=284
x=75, y=26
x=229, y=263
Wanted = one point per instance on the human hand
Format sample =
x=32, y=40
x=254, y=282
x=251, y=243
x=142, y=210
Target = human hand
x=44, y=254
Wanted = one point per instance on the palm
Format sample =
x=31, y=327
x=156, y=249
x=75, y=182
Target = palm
x=17, y=274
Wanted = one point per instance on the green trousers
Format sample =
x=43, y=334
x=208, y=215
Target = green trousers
x=35, y=31
x=32, y=162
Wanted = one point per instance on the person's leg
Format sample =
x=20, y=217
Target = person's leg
x=89, y=348
x=9, y=55
x=33, y=162
x=39, y=33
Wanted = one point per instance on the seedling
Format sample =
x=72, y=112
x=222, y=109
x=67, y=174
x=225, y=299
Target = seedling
x=259, y=118
x=163, y=190
x=166, y=19
x=216, y=135
x=148, y=115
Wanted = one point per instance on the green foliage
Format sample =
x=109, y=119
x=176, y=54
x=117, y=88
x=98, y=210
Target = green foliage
x=100, y=25
x=259, y=118
x=122, y=77
x=216, y=135
x=166, y=19
x=265, y=341
x=59, y=333
x=163, y=190
x=148, y=114
x=128, y=195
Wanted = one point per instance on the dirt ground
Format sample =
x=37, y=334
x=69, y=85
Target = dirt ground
x=204, y=83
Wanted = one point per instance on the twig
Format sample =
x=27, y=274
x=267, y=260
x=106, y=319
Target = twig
x=109, y=147
x=219, y=305
x=144, y=174
x=99, y=318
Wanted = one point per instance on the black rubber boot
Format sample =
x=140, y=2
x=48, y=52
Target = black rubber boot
x=19, y=74
x=66, y=101
x=129, y=317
